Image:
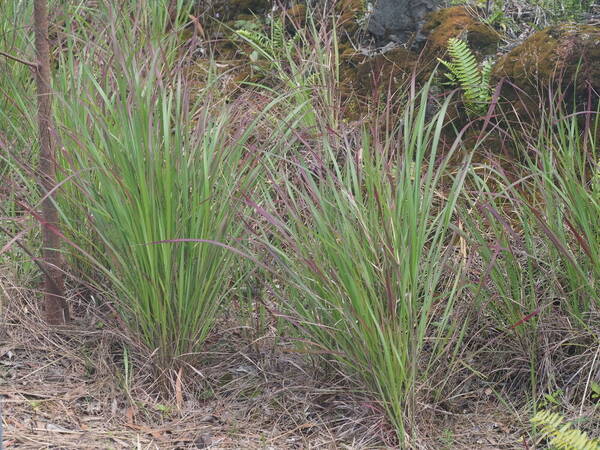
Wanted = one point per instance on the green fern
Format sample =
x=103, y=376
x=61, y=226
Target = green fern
x=273, y=47
x=282, y=52
x=562, y=435
x=258, y=40
x=464, y=71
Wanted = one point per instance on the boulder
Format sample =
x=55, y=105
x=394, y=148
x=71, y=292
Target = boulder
x=400, y=20
x=566, y=55
x=561, y=59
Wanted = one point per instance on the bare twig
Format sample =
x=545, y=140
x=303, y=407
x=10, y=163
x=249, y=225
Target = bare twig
x=17, y=59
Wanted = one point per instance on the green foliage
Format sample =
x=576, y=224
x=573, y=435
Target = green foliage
x=551, y=400
x=149, y=175
x=359, y=226
x=595, y=387
x=274, y=47
x=496, y=17
x=557, y=10
x=564, y=9
x=465, y=72
x=568, y=212
x=154, y=182
x=595, y=182
x=562, y=435
x=361, y=242
x=307, y=66
x=538, y=234
x=18, y=134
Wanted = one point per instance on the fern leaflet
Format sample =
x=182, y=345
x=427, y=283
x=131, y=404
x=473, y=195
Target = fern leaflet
x=563, y=435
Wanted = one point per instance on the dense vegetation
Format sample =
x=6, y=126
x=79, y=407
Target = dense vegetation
x=435, y=244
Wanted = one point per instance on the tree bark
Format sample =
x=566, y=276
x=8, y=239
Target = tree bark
x=56, y=308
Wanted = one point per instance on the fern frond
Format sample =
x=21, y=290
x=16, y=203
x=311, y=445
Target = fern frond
x=464, y=71
x=273, y=46
x=277, y=35
x=260, y=42
x=486, y=71
x=563, y=436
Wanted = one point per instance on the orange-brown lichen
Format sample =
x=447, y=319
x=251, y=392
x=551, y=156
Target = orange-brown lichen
x=453, y=22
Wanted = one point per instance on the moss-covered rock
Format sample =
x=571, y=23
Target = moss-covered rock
x=562, y=59
x=229, y=9
x=388, y=69
x=567, y=55
x=349, y=15
x=365, y=80
x=454, y=22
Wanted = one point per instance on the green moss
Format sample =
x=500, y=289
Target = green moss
x=564, y=57
x=562, y=53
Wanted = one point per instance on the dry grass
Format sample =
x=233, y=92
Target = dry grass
x=67, y=388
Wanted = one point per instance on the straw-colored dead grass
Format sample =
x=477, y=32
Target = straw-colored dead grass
x=67, y=389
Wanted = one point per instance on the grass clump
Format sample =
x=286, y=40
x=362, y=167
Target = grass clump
x=564, y=164
x=362, y=237
x=534, y=224
x=150, y=174
x=420, y=276
x=160, y=196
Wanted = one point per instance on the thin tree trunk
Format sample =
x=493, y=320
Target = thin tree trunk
x=57, y=311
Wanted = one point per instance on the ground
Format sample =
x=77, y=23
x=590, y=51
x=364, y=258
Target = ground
x=74, y=388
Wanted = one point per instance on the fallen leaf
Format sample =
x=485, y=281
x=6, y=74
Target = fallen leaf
x=130, y=414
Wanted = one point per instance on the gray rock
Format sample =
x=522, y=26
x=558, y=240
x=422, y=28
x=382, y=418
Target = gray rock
x=400, y=20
